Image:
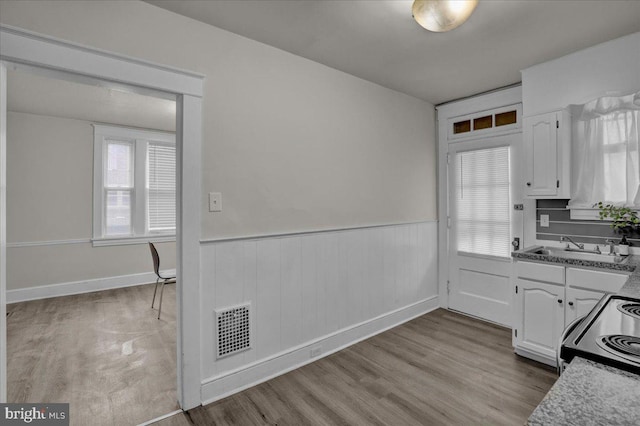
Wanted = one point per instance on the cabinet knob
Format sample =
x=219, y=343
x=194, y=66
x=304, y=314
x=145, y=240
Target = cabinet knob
x=570, y=303
x=528, y=183
x=559, y=300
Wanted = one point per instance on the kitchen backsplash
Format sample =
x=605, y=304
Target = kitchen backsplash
x=584, y=231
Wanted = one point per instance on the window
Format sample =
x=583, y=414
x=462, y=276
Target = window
x=482, y=201
x=605, y=154
x=498, y=120
x=134, y=186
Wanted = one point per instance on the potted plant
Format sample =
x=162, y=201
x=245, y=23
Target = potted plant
x=623, y=219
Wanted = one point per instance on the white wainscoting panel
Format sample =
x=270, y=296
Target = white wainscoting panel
x=322, y=289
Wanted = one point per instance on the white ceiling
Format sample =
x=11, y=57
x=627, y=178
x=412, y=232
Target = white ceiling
x=378, y=40
x=36, y=94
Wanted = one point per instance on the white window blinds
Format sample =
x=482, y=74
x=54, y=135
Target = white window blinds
x=118, y=186
x=161, y=187
x=482, y=201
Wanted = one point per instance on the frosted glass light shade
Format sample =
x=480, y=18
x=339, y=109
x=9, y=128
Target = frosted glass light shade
x=442, y=15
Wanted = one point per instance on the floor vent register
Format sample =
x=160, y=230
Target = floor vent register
x=233, y=330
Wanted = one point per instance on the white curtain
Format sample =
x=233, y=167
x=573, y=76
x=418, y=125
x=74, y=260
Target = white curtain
x=605, y=152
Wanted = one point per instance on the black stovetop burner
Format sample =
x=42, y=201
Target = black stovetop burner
x=626, y=346
x=630, y=309
x=609, y=334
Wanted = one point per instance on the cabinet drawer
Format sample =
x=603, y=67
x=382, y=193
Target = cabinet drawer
x=596, y=280
x=541, y=272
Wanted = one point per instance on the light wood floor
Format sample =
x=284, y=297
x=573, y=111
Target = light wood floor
x=105, y=353
x=442, y=368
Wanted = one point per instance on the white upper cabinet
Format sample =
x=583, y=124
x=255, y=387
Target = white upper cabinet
x=547, y=151
x=611, y=67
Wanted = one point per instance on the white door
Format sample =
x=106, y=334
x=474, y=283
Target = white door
x=484, y=187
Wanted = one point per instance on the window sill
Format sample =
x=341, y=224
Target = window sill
x=577, y=213
x=585, y=213
x=124, y=241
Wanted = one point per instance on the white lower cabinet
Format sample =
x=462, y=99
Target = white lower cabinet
x=544, y=305
x=541, y=317
x=579, y=303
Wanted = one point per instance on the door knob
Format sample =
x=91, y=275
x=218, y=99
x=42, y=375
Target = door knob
x=559, y=300
x=528, y=183
x=570, y=303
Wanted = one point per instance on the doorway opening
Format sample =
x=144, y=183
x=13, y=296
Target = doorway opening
x=481, y=199
x=90, y=181
x=24, y=49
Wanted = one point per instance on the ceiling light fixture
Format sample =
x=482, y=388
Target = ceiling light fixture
x=442, y=15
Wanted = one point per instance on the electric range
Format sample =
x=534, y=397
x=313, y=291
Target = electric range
x=609, y=334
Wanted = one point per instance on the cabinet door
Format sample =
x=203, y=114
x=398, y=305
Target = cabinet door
x=580, y=302
x=541, y=155
x=541, y=316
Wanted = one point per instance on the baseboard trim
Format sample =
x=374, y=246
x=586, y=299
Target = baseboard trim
x=157, y=419
x=79, y=287
x=536, y=357
x=229, y=383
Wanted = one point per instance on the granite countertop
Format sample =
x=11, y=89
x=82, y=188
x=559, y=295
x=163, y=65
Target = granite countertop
x=525, y=254
x=590, y=393
x=632, y=286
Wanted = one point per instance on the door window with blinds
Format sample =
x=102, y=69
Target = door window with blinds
x=134, y=185
x=482, y=214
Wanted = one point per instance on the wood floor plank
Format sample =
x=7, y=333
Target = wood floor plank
x=105, y=353
x=439, y=369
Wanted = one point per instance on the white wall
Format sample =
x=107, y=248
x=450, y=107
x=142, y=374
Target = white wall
x=49, y=199
x=293, y=146
x=608, y=68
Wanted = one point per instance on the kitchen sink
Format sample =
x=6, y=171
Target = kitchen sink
x=577, y=254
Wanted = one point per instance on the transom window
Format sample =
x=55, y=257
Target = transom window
x=134, y=185
x=481, y=123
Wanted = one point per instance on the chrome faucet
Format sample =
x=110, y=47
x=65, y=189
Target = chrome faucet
x=612, y=246
x=565, y=238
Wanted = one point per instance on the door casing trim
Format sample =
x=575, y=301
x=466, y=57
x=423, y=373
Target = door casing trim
x=22, y=48
x=493, y=100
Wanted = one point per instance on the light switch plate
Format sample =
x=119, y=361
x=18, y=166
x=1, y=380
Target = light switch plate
x=215, y=201
x=544, y=220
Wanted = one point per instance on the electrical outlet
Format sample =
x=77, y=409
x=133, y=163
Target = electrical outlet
x=215, y=201
x=544, y=220
x=316, y=351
